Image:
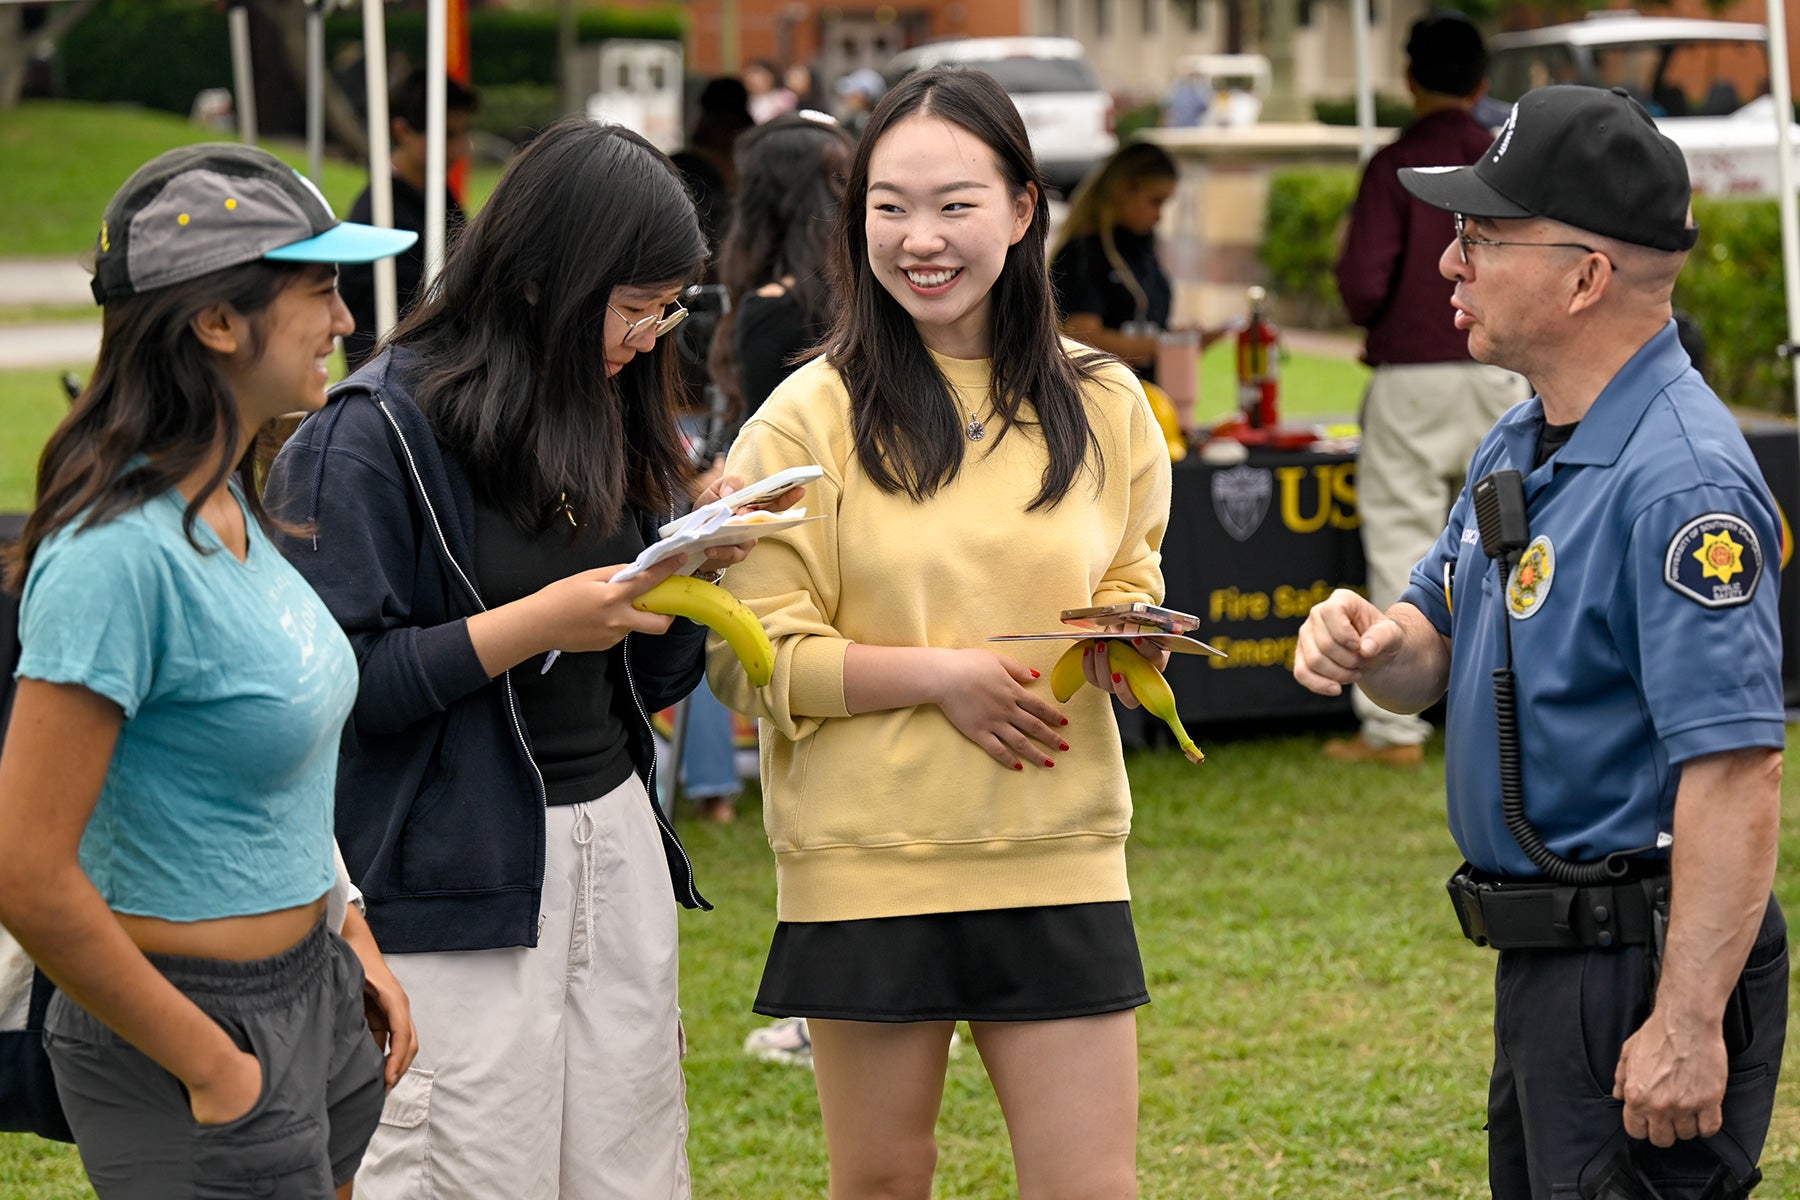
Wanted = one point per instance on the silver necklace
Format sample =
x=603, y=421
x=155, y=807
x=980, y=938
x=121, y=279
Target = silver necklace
x=975, y=429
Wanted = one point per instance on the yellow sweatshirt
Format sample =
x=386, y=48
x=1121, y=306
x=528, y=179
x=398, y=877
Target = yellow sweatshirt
x=895, y=813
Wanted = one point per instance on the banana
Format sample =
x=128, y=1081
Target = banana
x=1152, y=691
x=1066, y=677
x=720, y=611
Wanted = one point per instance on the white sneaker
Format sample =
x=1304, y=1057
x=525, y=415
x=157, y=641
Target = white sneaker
x=789, y=1041
x=784, y=1041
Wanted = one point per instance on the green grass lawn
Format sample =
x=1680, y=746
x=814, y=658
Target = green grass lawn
x=1318, y=1029
x=65, y=159
x=1313, y=386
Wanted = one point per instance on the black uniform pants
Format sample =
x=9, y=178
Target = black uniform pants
x=1561, y=1017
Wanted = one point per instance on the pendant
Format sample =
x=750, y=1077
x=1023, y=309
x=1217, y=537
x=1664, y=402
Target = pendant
x=976, y=430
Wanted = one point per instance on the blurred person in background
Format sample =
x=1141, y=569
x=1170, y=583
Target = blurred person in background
x=769, y=98
x=705, y=162
x=1189, y=98
x=857, y=93
x=406, y=120
x=1428, y=404
x=1110, y=285
x=803, y=81
x=773, y=260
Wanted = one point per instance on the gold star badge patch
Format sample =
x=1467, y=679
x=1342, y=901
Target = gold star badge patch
x=1719, y=557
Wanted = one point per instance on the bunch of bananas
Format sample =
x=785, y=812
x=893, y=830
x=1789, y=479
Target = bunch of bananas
x=721, y=612
x=1147, y=684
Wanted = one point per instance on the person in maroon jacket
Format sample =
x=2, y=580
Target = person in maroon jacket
x=1429, y=403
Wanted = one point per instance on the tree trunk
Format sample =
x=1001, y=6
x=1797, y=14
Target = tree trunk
x=16, y=44
x=287, y=20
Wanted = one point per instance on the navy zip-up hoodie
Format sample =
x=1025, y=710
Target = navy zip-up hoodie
x=440, y=808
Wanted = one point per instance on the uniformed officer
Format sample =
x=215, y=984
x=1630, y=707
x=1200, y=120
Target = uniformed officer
x=1641, y=987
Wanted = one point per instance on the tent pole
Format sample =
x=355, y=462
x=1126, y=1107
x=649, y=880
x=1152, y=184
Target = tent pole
x=1365, y=84
x=315, y=90
x=1782, y=94
x=381, y=171
x=237, y=19
x=437, y=68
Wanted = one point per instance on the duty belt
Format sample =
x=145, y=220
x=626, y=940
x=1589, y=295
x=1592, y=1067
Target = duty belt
x=1540, y=915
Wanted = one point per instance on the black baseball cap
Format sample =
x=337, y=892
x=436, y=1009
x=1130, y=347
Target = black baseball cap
x=202, y=208
x=1588, y=157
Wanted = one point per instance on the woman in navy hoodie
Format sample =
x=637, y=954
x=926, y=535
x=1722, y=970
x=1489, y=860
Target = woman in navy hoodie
x=469, y=493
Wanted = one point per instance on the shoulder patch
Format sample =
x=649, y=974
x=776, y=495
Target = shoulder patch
x=1715, y=560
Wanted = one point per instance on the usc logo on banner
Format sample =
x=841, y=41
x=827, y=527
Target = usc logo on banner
x=1312, y=497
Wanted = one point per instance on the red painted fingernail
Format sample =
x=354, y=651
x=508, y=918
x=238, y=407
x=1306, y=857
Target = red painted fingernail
x=1062, y=745
x=1018, y=766
x=1049, y=763
x=1035, y=675
x=1065, y=720
x=1137, y=641
x=1086, y=650
x=1118, y=678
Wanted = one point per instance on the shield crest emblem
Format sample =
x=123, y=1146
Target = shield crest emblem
x=1240, y=497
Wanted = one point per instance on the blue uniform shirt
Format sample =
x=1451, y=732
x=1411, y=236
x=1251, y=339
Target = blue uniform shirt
x=1644, y=616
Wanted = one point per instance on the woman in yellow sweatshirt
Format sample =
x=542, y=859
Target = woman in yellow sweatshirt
x=950, y=842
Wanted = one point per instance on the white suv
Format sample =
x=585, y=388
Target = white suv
x=1067, y=114
x=1705, y=82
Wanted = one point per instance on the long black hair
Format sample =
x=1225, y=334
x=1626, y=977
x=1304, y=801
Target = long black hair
x=908, y=431
x=158, y=393
x=790, y=182
x=512, y=340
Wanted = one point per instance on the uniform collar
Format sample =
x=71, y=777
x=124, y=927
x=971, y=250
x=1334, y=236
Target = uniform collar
x=1603, y=432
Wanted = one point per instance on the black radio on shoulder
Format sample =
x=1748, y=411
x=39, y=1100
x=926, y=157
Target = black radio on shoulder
x=1500, y=513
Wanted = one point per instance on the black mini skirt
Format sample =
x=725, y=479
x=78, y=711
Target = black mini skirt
x=1004, y=964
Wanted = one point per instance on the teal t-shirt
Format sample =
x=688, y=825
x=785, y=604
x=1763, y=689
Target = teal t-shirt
x=235, y=682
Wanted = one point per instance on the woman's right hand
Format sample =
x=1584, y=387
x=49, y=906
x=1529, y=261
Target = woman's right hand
x=230, y=1094
x=989, y=700
x=588, y=612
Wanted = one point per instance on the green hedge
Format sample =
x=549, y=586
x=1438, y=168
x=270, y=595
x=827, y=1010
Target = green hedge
x=1732, y=286
x=1395, y=112
x=160, y=53
x=1300, y=238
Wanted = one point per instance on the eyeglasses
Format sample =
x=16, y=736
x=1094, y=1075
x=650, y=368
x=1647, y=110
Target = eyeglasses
x=657, y=323
x=1464, y=241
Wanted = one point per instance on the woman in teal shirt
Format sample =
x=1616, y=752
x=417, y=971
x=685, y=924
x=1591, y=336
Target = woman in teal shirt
x=167, y=779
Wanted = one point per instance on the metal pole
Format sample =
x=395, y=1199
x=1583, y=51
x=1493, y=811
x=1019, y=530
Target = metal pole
x=381, y=171
x=437, y=66
x=315, y=90
x=1365, y=83
x=731, y=39
x=1782, y=94
x=237, y=19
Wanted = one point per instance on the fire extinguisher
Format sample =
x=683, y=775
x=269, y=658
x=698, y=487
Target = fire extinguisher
x=1258, y=367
